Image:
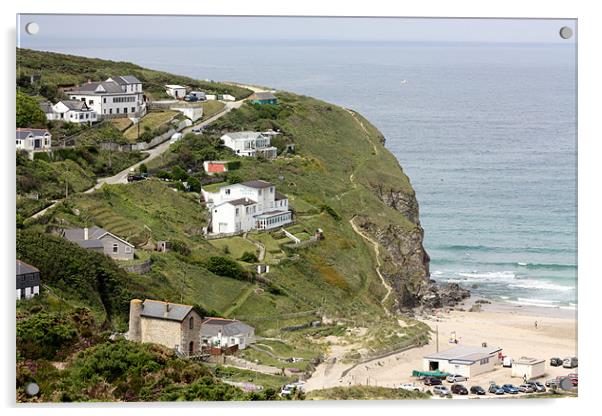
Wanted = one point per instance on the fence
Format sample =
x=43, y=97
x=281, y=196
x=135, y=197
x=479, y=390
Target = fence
x=140, y=268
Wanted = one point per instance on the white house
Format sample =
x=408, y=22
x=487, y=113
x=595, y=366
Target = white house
x=528, y=367
x=225, y=333
x=227, y=97
x=464, y=360
x=74, y=111
x=250, y=143
x=252, y=205
x=115, y=97
x=33, y=140
x=176, y=91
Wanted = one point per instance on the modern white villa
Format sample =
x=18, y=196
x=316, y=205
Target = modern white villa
x=73, y=111
x=252, y=205
x=250, y=144
x=33, y=140
x=116, y=97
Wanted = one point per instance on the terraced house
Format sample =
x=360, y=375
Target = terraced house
x=116, y=97
x=252, y=205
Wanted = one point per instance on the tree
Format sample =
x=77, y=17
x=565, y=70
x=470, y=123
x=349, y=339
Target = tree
x=29, y=113
x=194, y=184
x=143, y=168
x=223, y=266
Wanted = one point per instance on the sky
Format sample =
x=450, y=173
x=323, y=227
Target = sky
x=79, y=28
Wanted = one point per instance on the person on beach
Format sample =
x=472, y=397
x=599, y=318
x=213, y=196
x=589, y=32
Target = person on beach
x=535, y=324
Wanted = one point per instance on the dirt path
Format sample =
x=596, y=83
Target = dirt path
x=374, y=146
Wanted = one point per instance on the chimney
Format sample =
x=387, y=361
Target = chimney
x=135, y=328
x=85, y=233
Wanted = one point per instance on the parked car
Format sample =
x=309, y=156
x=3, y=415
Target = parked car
x=478, y=390
x=287, y=390
x=136, y=178
x=526, y=388
x=570, y=362
x=441, y=390
x=510, y=389
x=495, y=389
x=537, y=386
x=552, y=383
x=555, y=362
x=574, y=379
x=411, y=387
x=432, y=381
x=455, y=378
x=197, y=130
x=459, y=389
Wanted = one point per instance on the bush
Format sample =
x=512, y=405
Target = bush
x=43, y=335
x=233, y=178
x=180, y=247
x=249, y=257
x=328, y=209
x=29, y=113
x=223, y=266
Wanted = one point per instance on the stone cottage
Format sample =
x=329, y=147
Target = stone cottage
x=100, y=240
x=173, y=325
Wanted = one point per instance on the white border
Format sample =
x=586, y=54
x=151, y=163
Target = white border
x=589, y=188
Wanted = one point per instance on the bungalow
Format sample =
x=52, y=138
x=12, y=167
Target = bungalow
x=250, y=144
x=463, y=360
x=265, y=97
x=172, y=325
x=28, y=280
x=33, y=140
x=176, y=91
x=73, y=111
x=212, y=167
x=116, y=97
x=252, y=205
x=101, y=241
x=226, y=333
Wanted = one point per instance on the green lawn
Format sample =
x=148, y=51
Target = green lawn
x=214, y=187
x=152, y=120
x=239, y=375
x=234, y=246
x=211, y=108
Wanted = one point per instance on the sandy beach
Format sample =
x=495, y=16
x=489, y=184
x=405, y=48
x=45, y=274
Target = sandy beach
x=506, y=325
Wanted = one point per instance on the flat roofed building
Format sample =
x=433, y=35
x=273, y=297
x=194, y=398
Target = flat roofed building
x=250, y=144
x=528, y=367
x=463, y=360
x=176, y=91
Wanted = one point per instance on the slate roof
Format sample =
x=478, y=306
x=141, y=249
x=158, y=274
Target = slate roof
x=265, y=95
x=24, y=268
x=165, y=310
x=258, y=184
x=111, y=87
x=244, y=135
x=76, y=235
x=241, y=201
x=46, y=106
x=24, y=133
x=210, y=327
x=75, y=104
x=464, y=354
x=126, y=79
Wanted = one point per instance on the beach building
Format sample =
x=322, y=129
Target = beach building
x=73, y=111
x=528, y=367
x=33, y=140
x=28, y=280
x=463, y=360
x=226, y=333
x=172, y=325
x=252, y=205
x=250, y=144
x=263, y=98
x=116, y=97
x=175, y=91
x=100, y=240
x=212, y=167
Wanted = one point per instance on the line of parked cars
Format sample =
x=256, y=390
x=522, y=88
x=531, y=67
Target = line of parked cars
x=568, y=362
x=531, y=386
x=555, y=382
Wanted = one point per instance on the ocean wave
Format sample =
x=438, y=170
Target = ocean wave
x=551, y=266
x=483, y=248
x=506, y=274
x=541, y=285
x=534, y=302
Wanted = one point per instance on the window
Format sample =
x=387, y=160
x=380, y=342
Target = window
x=227, y=192
x=115, y=248
x=484, y=361
x=272, y=190
x=236, y=211
x=128, y=249
x=259, y=193
x=90, y=102
x=125, y=110
x=133, y=109
x=104, y=100
x=191, y=323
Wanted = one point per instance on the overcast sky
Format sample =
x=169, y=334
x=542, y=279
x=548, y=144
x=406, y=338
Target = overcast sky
x=168, y=28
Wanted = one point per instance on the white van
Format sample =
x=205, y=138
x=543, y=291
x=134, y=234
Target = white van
x=507, y=362
x=175, y=137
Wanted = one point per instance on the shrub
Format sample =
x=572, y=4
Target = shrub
x=29, y=113
x=180, y=247
x=330, y=211
x=43, y=335
x=223, y=266
x=249, y=257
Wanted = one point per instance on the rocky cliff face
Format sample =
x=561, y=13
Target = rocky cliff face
x=405, y=262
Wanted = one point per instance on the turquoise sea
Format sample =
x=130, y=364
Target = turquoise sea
x=486, y=133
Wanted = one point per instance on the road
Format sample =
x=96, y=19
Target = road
x=153, y=153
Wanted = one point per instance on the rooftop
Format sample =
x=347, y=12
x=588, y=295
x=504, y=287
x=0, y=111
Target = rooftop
x=75, y=104
x=265, y=95
x=257, y=184
x=104, y=87
x=24, y=268
x=77, y=235
x=174, y=86
x=228, y=327
x=464, y=353
x=241, y=201
x=244, y=135
x=528, y=361
x=126, y=79
x=23, y=133
x=165, y=310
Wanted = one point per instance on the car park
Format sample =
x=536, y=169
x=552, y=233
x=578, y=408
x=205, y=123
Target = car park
x=459, y=389
x=537, y=386
x=455, y=378
x=432, y=381
x=441, y=390
x=555, y=362
x=526, y=388
x=510, y=389
x=478, y=390
x=495, y=389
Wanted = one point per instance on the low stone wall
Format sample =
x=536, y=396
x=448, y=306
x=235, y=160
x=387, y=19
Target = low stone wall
x=140, y=268
x=143, y=145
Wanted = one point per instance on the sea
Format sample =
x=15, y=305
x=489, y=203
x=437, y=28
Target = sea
x=485, y=131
